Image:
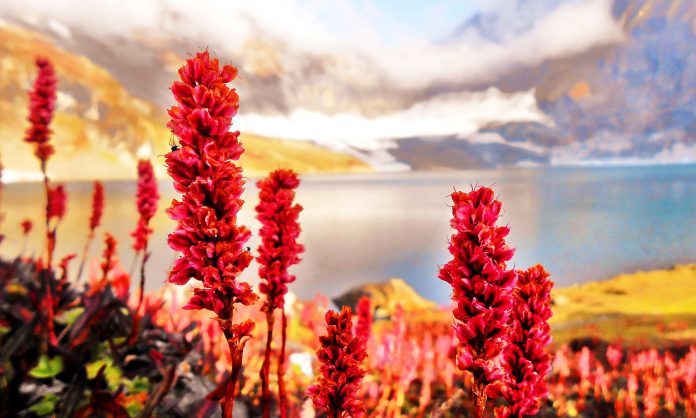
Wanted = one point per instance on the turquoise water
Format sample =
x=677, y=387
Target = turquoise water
x=583, y=224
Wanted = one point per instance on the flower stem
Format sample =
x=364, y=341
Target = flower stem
x=265, y=368
x=236, y=354
x=282, y=395
x=85, y=250
x=480, y=398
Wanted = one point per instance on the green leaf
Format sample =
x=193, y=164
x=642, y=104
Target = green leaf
x=93, y=368
x=47, y=367
x=111, y=372
x=70, y=316
x=46, y=405
x=133, y=409
x=137, y=385
x=4, y=330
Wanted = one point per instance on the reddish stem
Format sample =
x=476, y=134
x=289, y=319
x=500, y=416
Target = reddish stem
x=480, y=398
x=50, y=246
x=266, y=367
x=85, y=250
x=146, y=256
x=282, y=395
x=236, y=354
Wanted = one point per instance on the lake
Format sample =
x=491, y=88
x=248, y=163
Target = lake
x=585, y=223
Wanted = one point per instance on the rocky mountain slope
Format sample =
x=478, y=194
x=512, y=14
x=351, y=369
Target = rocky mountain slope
x=100, y=126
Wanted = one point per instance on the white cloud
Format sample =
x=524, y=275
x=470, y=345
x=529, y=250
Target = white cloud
x=572, y=28
x=459, y=114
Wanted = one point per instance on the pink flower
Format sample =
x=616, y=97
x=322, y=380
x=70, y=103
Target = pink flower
x=481, y=287
x=146, y=197
x=340, y=356
x=614, y=356
x=42, y=101
x=525, y=361
x=207, y=234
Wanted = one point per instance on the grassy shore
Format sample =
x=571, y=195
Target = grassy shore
x=643, y=309
x=654, y=308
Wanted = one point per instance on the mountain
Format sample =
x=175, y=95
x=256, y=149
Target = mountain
x=100, y=125
x=630, y=101
x=524, y=82
x=386, y=296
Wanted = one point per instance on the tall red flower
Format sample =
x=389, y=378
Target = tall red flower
x=94, y=221
x=279, y=249
x=340, y=355
x=42, y=100
x=481, y=287
x=207, y=234
x=525, y=361
x=280, y=229
x=97, y=206
x=146, y=197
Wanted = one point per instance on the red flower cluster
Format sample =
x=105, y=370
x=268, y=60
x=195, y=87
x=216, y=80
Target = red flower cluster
x=279, y=249
x=525, y=361
x=147, y=197
x=55, y=206
x=109, y=255
x=207, y=232
x=340, y=355
x=363, y=311
x=42, y=101
x=481, y=286
x=97, y=206
x=279, y=231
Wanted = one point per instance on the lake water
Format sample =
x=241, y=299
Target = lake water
x=582, y=223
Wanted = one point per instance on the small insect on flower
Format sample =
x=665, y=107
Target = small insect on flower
x=173, y=145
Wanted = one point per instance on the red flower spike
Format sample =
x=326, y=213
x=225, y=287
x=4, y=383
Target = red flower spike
x=97, y=206
x=94, y=222
x=279, y=249
x=207, y=233
x=481, y=287
x=147, y=197
x=279, y=232
x=109, y=255
x=340, y=356
x=55, y=208
x=42, y=100
x=525, y=361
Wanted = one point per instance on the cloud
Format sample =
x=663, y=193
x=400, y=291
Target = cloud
x=338, y=83
x=453, y=114
x=304, y=27
x=571, y=28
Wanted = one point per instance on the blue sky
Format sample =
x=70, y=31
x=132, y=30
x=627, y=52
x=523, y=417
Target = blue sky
x=397, y=21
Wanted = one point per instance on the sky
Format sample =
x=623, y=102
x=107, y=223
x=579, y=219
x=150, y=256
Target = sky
x=397, y=22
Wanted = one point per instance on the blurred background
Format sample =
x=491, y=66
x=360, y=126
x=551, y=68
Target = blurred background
x=580, y=113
